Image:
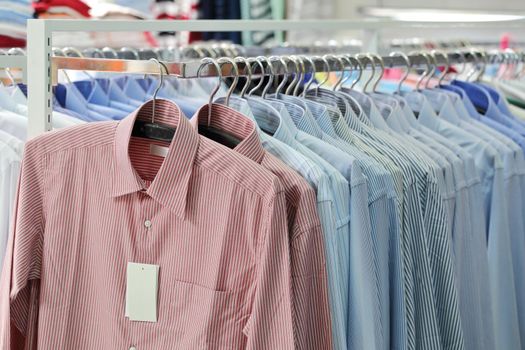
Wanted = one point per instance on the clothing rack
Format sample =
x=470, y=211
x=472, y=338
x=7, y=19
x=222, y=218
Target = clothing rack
x=40, y=34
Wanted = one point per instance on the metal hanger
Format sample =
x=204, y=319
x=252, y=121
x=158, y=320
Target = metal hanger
x=381, y=74
x=296, y=84
x=111, y=51
x=433, y=69
x=153, y=130
x=434, y=54
x=463, y=62
x=359, y=65
x=311, y=80
x=204, y=62
x=299, y=69
x=341, y=60
x=484, y=65
x=259, y=60
x=372, y=67
x=286, y=72
x=327, y=70
x=427, y=69
x=407, y=72
x=67, y=51
x=344, y=79
x=248, y=69
x=132, y=50
x=270, y=78
x=213, y=133
x=235, y=69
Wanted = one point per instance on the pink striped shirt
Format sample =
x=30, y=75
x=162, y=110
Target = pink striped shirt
x=309, y=284
x=92, y=198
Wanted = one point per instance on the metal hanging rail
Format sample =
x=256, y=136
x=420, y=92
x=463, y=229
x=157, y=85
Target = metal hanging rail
x=195, y=69
x=40, y=33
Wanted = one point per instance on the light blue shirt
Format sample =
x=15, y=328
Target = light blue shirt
x=361, y=289
x=490, y=167
x=422, y=323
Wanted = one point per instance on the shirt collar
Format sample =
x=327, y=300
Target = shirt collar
x=480, y=98
x=170, y=186
x=235, y=123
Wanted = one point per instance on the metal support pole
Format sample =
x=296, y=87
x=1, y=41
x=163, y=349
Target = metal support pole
x=39, y=78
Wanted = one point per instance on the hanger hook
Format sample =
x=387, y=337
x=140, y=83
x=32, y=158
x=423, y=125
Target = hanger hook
x=299, y=68
x=111, y=51
x=314, y=71
x=133, y=51
x=204, y=62
x=271, y=77
x=433, y=63
x=463, y=60
x=381, y=74
x=286, y=72
x=427, y=69
x=248, y=68
x=357, y=64
x=345, y=59
x=434, y=54
x=341, y=60
x=161, y=81
x=484, y=65
x=327, y=70
x=301, y=75
x=474, y=55
x=259, y=60
x=341, y=65
x=372, y=66
x=407, y=72
x=235, y=69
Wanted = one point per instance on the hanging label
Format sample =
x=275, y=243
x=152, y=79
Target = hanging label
x=158, y=150
x=141, y=292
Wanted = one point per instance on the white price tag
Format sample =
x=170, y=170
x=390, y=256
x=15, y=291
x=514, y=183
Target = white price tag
x=141, y=292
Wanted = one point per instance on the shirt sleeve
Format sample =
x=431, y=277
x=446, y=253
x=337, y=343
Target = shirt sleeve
x=311, y=310
x=270, y=325
x=19, y=284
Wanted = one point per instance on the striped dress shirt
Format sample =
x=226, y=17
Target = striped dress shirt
x=490, y=168
x=364, y=311
x=384, y=215
x=471, y=267
x=476, y=277
x=434, y=211
x=436, y=204
x=64, y=283
x=309, y=282
x=419, y=298
x=287, y=132
x=513, y=167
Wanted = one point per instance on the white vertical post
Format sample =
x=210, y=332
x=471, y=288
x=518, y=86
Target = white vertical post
x=38, y=77
x=371, y=40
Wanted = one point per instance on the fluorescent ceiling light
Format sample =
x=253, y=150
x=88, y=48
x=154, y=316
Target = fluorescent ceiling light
x=438, y=15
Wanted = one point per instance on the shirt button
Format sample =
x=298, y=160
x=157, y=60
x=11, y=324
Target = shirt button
x=147, y=224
